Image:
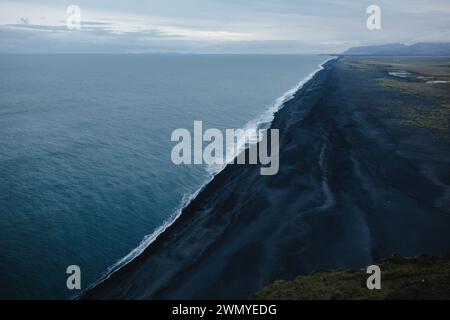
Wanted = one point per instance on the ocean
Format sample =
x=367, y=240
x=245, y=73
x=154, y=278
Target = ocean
x=85, y=167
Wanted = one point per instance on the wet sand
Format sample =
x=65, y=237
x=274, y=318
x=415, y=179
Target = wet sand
x=353, y=187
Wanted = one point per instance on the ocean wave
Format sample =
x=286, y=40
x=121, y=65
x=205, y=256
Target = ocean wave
x=262, y=122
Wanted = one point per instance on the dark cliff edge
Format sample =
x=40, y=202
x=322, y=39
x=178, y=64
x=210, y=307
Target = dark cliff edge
x=416, y=278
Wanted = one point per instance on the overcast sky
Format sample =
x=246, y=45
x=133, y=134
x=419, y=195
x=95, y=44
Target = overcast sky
x=217, y=26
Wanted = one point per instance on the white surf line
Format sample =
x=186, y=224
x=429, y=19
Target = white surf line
x=266, y=118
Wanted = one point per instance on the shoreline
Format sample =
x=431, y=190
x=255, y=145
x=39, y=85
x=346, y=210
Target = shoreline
x=151, y=238
x=265, y=118
x=244, y=231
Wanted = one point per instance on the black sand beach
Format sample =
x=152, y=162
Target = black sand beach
x=355, y=185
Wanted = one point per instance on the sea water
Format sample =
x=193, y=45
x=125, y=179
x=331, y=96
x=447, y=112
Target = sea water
x=85, y=167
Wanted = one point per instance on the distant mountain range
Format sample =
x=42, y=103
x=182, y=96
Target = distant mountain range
x=418, y=49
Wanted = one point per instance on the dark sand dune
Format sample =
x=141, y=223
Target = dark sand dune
x=350, y=190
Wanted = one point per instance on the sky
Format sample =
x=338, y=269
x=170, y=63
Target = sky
x=217, y=26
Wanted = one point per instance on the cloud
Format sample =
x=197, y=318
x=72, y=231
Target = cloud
x=303, y=26
x=28, y=26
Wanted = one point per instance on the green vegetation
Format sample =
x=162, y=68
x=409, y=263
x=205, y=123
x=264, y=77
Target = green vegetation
x=434, y=118
x=420, y=88
x=422, y=277
x=438, y=67
x=431, y=109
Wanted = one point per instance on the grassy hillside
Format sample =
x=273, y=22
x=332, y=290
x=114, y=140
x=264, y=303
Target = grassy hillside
x=421, y=277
